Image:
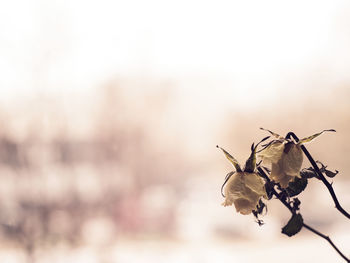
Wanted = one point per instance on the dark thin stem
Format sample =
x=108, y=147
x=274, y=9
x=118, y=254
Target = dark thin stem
x=323, y=179
x=286, y=204
x=326, y=238
x=262, y=172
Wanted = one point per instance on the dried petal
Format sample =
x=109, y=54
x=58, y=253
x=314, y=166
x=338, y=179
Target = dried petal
x=286, y=159
x=293, y=160
x=244, y=191
x=272, y=153
x=279, y=176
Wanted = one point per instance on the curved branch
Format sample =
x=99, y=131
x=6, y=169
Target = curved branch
x=323, y=179
x=326, y=238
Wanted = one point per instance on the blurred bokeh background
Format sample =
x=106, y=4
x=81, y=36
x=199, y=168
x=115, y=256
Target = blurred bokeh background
x=110, y=112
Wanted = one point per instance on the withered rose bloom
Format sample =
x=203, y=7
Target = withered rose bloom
x=244, y=188
x=244, y=191
x=286, y=159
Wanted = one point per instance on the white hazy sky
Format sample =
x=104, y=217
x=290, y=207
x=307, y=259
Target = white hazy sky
x=77, y=45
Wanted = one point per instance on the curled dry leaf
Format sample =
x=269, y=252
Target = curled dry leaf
x=294, y=225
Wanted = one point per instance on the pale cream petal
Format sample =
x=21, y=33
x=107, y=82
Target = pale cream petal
x=272, y=153
x=293, y=160
x=235, y=186
x=278, y=175
x=244, y=206
x=228, y=201
x=244, y=191
x=255, y=183
x=284, y=181
x=276, y=172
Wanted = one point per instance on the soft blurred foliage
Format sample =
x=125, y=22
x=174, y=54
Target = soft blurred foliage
x=110, y=112
x=107, y=169
x=108, y=176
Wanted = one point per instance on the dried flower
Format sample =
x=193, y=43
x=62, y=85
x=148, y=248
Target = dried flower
x=285, y=158
x=244, y=188
x=244, y=191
